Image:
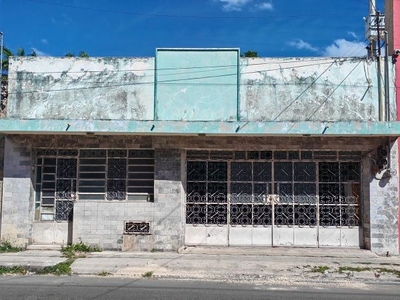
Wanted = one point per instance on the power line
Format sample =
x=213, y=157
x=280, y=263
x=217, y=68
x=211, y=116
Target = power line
x=182, y=68
x=188, y=16
x=327, y=98
x=303, y=92
x=175, y=81
x=313, y=83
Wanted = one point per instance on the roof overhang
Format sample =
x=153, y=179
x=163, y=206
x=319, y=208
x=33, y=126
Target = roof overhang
x=224, y=128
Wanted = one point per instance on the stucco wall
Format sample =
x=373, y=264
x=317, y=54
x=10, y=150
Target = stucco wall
x=270, y=89
x=309, y=89
x=81, y=88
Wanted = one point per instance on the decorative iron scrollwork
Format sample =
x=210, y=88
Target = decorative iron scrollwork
x=300, y=193
x=64, y=210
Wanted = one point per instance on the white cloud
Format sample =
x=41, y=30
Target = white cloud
x=344, y=48
x=302, y=45
x=264, y=6
x=44, y=41
x=39, y=53
x=230, y=5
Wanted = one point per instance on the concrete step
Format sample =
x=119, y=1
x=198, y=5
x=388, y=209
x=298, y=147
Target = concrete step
x=44, y=247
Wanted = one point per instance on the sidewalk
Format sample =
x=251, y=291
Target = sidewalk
x=242, y=264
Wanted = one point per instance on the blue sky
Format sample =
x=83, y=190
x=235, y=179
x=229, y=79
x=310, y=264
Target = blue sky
x=135, y=28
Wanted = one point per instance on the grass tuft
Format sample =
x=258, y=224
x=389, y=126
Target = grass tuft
x=353, y=269
x=63, y=268
x=12, y=270
x=104, y=273
x=6, y=246
x=71, y=250
x=320, y=269
x=148, y=274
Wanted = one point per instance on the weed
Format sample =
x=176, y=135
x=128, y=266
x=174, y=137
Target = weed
x=70, y=250
x=320, y=269
x=63, y=268
x=12, y=270
x=148, y=274
x=6, y=246
x=386, y=270
x=353, y=269
x=389, y=264
x=104, y=273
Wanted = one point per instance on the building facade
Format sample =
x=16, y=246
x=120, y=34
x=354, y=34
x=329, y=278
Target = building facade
x=199, y=147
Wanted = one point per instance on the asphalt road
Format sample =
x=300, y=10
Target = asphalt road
x=52, y=287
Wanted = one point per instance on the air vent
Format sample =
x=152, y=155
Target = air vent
x=133, y=227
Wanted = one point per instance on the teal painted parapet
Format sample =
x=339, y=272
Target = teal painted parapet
x=235, y=128
x=196, y=84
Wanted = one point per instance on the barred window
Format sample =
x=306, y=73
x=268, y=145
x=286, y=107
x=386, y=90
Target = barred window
x=66, y=175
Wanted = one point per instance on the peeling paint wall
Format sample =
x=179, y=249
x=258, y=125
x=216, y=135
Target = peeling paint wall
x=81, y=88
x=269, y=89
x=309, y=89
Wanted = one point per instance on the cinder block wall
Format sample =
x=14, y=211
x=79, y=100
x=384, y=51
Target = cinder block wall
x=17, y=207
x=384, y=207
x=102, y=224
x=169, y=204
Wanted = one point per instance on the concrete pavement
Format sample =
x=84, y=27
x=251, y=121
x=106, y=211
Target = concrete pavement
x=279, y=265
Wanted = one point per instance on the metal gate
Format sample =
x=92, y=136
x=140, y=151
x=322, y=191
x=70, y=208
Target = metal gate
x=273, y=198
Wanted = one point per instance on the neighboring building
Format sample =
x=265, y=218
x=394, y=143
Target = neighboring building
x=199, y=147
x=392, y=11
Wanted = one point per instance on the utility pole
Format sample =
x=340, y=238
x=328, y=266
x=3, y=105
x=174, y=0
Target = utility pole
x=1, y=55
x=372, y=11
x=375, y=27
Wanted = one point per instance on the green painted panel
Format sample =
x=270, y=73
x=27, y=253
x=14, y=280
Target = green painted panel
x=197, y=84
x=15, y=126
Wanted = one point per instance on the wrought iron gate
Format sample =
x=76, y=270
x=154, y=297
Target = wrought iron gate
x=272, y=198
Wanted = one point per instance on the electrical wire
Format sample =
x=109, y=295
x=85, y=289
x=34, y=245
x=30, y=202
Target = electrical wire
x=175, y=81
x=177, y=68
x=188, y=16
x=313, y=83
x=327, y=98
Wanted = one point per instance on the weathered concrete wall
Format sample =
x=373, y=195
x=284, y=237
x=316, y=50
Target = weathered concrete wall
x=50, y=233
x=169, y=201
x=365, y=210
x=384, y=208
x=1, y=176
x=81, y=88
x=17, y=207
x=270, y=89
x=102, y=224
x=3, y=98
x=309, y=89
